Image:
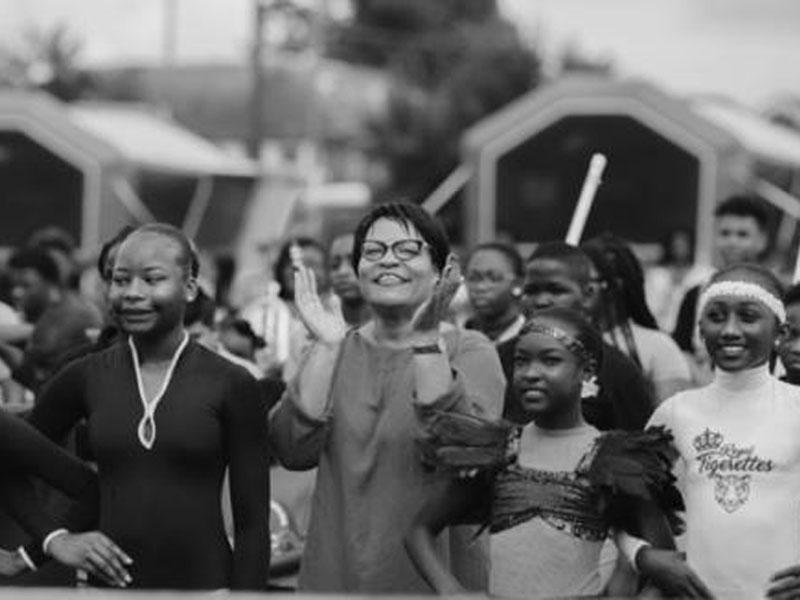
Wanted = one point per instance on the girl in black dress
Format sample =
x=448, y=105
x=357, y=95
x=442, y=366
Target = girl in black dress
x=166, y=417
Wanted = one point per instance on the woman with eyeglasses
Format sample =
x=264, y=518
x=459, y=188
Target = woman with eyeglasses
x=358, y=401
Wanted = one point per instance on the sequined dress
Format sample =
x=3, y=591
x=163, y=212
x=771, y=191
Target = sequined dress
x=557, y=498
x=546, y=537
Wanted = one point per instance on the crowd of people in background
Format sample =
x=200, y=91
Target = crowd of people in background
x=581, y=425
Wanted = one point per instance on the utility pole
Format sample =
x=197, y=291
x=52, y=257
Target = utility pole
x=257, y=81
x=169, y=51
x=170, y=41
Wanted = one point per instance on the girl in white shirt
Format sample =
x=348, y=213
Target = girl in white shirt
x=739, y=447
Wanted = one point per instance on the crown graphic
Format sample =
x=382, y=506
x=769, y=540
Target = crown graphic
x=708, y=440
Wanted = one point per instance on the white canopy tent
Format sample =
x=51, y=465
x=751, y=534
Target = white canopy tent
x=131, y=164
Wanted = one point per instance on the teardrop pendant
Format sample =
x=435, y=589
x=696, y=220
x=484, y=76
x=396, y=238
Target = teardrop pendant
x=147, y=431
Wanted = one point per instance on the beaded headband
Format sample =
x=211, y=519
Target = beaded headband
x=572, y=344
x=742, y=289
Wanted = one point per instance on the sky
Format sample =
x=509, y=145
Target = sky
x=746, y=49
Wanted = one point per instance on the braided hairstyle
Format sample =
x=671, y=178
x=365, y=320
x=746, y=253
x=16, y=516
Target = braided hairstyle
x=623, y=296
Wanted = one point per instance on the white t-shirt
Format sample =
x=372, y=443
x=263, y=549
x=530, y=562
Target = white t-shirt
x=739, y=469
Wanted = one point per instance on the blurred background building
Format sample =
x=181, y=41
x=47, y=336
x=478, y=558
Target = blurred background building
x=488, y=109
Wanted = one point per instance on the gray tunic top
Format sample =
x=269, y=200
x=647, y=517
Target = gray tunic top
x=371, y=483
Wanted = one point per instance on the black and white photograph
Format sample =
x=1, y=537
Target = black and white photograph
x=399, y=299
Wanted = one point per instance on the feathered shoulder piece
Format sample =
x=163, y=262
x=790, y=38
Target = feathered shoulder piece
x=460, y=442
x=624, y=466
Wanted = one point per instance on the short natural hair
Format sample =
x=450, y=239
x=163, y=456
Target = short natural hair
x=52, y=238
x=512, y=255
x=37, y=259
x=405, y=213
x=575, y=259
x=743, y=206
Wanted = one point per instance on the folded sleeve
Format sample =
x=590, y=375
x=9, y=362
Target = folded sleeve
x=478, y=384
x=296, y=438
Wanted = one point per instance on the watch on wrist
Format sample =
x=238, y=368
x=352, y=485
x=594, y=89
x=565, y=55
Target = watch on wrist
x=427, y=349
x=436, y=347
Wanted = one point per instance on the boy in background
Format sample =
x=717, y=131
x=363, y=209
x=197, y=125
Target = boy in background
x=789, y=344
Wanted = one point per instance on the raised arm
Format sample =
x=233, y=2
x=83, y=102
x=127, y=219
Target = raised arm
x=246, y=436
x=478, y=366
x=297, y=424
x=477, y=383
x=434, y=375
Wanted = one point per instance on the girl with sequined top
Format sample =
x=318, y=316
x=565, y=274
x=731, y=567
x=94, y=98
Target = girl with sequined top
x=552, y=490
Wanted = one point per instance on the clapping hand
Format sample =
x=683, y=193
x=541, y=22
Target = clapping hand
x=669, y=572
x=428, y=316
x=93, y=552
x=326, y=325
x=785, y=584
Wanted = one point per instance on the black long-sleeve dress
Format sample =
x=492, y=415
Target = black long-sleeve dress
x=25, y=453
x=162, y=505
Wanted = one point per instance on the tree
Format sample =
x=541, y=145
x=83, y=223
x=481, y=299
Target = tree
x=452, y=62
x=381, y=28
x=574, y=61
x=48, y=59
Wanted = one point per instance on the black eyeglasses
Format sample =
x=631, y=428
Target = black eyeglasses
x=375, y=250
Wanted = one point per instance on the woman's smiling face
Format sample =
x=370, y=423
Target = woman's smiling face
x=739, y=333
x=389, y=280
x=149, y=288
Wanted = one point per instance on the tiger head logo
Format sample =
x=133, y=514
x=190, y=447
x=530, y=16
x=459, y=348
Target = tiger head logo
x=731, y=491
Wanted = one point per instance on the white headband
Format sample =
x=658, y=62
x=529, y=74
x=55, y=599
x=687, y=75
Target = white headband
x=742, y=289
